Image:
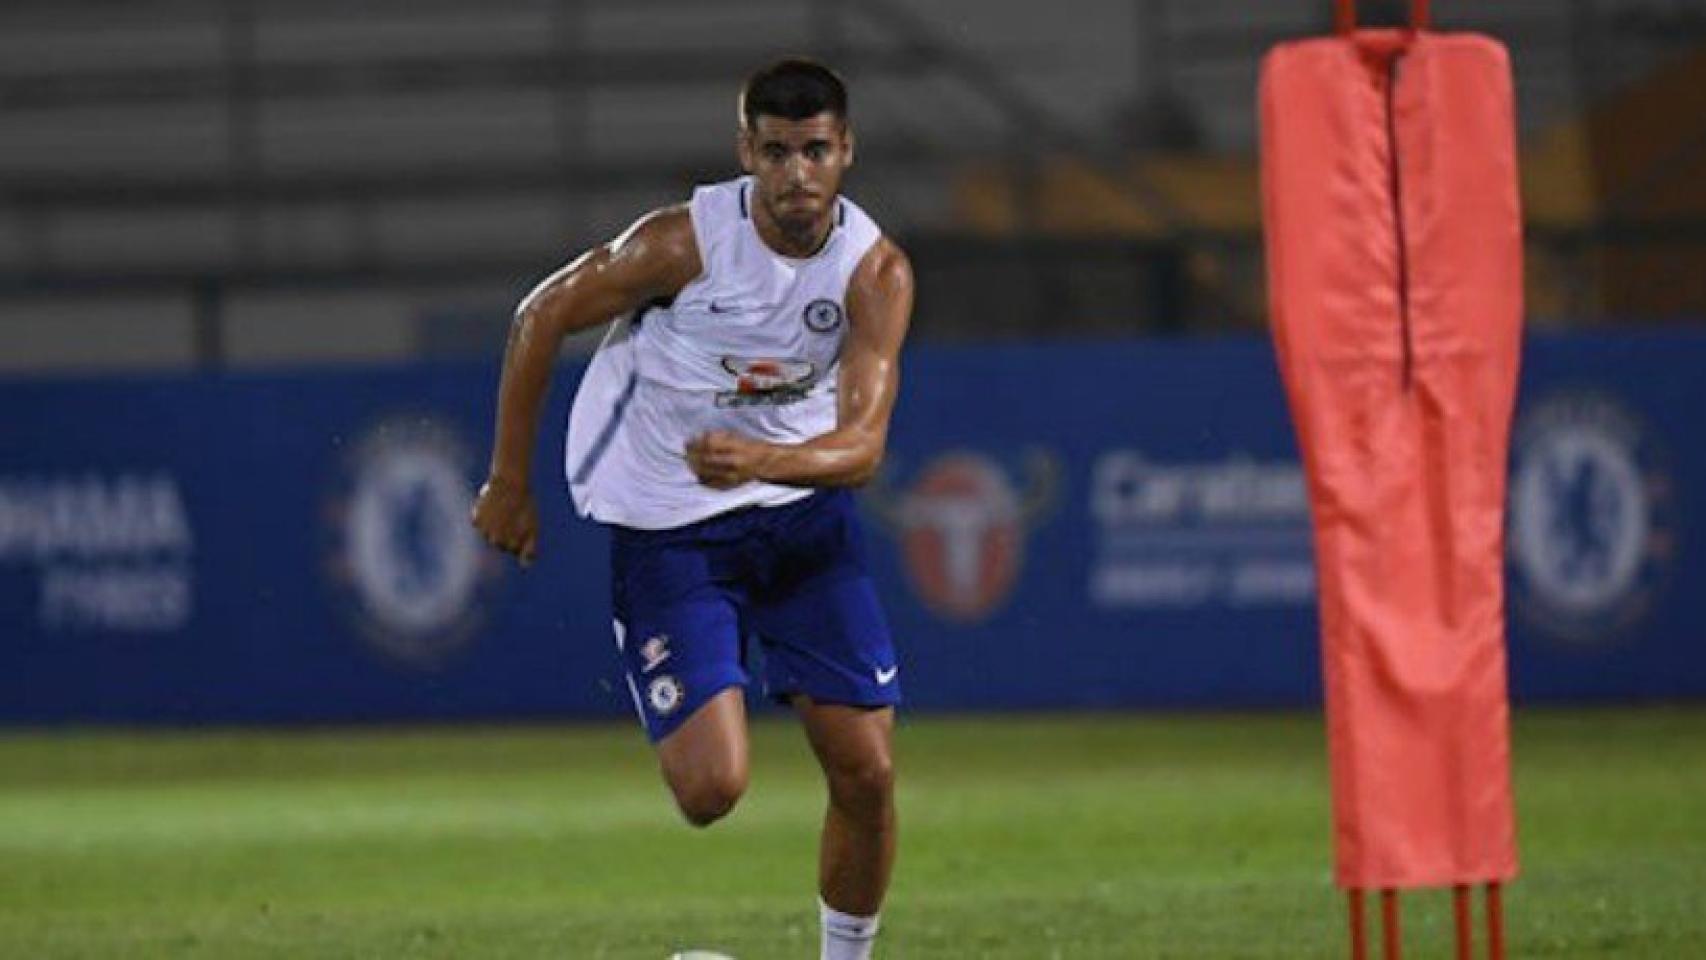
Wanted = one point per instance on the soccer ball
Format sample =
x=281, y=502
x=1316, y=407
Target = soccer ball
x=700, y=955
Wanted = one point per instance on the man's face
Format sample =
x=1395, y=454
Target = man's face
x=798, y=165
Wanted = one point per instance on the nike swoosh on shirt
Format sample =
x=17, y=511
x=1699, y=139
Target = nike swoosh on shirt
x=720, y=307
x=884, y=677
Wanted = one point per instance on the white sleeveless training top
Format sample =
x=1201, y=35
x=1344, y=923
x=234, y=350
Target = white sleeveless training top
x=752, y=345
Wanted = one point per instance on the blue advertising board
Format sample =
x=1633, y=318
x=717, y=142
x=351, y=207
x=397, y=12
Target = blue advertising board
x=1118, y=524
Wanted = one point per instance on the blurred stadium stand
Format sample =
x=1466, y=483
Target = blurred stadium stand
x=200, y=183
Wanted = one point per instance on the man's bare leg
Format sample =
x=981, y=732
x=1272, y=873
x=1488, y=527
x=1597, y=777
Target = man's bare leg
x=854, y=746
x=704, y=760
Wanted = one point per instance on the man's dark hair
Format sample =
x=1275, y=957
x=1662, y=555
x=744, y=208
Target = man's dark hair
x=793, y=89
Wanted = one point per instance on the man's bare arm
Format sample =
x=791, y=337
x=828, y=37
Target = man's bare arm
x=879, y=307
x=656, y=257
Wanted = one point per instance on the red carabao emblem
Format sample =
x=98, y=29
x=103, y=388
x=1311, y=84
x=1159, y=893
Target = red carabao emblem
x=962, y=529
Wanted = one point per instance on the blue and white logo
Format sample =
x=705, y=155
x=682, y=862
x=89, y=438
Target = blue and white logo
x=412, y=569
x=665, y=695
x=1591, y=518
x=822, y=316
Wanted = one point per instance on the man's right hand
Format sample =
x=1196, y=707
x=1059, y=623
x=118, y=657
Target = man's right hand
x=507, y=518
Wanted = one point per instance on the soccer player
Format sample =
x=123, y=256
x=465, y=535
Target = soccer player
x=746, y=385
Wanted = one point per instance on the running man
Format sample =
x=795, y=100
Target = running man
x=745, y=386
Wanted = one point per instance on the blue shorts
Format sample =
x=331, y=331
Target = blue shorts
x=688, y=602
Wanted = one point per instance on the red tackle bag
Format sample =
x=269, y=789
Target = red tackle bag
x=1394, y=263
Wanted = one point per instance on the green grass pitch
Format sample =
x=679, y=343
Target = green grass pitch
x=1087, y=836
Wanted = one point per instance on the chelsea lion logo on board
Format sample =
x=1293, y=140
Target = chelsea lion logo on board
x=823, y=316
x=1592, y=518
x=408, y=569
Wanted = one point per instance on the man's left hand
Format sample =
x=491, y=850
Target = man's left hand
x=723, y=460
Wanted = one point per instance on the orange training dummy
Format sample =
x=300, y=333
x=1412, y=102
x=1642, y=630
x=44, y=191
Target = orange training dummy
x=1394, y=245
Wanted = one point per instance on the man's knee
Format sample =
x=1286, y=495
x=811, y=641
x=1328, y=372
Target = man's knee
x=705, y=797
x=704, y=761
x=863, y=787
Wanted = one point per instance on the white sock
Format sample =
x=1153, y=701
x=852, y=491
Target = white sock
x=845, y=936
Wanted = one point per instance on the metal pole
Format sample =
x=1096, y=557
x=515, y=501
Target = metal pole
x=208, y=313
x=1460, y=908
x=1359, y=933
x=1389, y=923
x=1495, y=923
